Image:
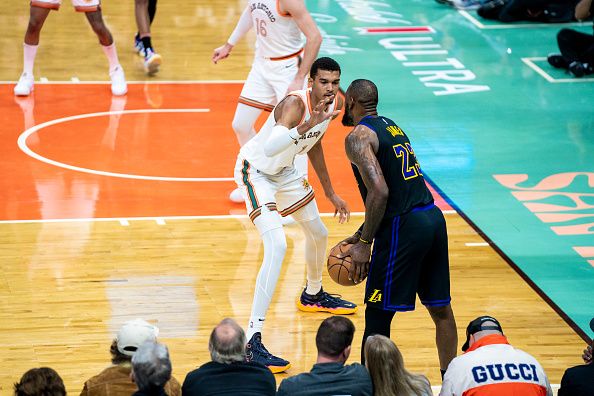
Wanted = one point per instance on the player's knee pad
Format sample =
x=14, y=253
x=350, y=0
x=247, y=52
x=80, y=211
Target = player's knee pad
x=315, y=229
x=275, y=244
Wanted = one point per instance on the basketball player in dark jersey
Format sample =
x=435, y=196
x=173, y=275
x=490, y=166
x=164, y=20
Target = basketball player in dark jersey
x=408, y=232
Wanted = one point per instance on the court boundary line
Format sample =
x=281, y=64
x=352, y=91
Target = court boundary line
x=482, y=26
x=22, y=144
x=160, y=218
x=529, y=61
x=577, y=329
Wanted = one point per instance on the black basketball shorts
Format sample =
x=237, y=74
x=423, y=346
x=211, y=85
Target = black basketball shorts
x=410, y=257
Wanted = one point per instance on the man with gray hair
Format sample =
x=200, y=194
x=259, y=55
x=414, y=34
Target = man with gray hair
x=151, y=369
x=228, y=373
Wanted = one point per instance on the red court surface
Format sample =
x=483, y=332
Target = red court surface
x=143, y=155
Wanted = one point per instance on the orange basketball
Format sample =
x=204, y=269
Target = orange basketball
x=339, y=265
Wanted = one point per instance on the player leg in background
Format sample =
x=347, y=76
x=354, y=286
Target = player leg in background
x=143, y=43
x=446, y=335
x=37, y=17
x=116, y=73
x=314, y=298
x=243, y=125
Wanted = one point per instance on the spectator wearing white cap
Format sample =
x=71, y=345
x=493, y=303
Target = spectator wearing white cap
x=115, y=379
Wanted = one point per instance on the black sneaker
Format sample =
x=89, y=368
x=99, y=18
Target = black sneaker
x=578, y=69
x=257, y=352
x=325, y=302
x=558, y=61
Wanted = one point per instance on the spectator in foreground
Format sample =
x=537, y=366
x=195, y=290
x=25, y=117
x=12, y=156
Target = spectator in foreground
x=228, y=373
x=491, y=366
x=151, y=369
x=40, y=381
x=330, y=375
x=115, y=379
x=579, y=380
x=386, y=368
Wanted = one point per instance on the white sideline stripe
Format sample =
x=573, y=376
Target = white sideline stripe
x=157, y=219
x=75, y=79
x=480, y=25
x=44, y=80
x=160, y=221
x=529, y=61
x=472, y=244
x=124, y=222
x=22, y=143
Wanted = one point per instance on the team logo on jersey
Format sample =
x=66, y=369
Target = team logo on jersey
x=376, y=296
x=306, y=185
x=395, y=130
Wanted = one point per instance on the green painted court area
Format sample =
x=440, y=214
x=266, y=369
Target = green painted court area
x=508, y=139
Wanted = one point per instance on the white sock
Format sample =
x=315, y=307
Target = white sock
x=301, y=164
x=275, y=246
x=29, y=53
x=316, y=240
x=112, y=56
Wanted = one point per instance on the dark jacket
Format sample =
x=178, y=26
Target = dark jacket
x=578, y=381
x=329, y=379
x=229, y=379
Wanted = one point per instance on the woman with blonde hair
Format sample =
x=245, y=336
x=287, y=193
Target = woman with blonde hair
x=386, y=368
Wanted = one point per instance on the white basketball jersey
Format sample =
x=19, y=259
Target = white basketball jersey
x=277, y=35
x=253, y=150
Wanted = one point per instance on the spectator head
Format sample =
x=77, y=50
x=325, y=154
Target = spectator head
x=151, y=367
x=40, y=381
x=227, y=342
x=386, y=369
x=479, y=328
x=335, y=337
x=131, y=336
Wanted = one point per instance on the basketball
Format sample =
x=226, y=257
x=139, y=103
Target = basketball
x=339, y=265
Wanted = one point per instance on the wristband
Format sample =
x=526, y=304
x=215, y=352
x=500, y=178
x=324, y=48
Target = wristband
x=364, y=241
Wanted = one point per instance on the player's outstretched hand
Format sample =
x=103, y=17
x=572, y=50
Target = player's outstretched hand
x=360, y=253
x=322, y=111
x=341, y=208
x=221, y=53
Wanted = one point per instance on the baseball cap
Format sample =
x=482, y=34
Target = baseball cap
x=133, y=334
x=477, y=325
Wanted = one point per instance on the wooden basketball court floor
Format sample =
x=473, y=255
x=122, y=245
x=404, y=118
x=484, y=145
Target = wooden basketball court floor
x=115, y=208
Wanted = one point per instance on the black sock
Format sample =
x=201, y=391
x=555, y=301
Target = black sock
x=377, y=321
x=152, y=10
x=146, y=42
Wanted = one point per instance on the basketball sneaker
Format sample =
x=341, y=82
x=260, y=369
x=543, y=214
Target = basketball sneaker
x=558, y=61
x=138, y=45
x=118, y=81
x=325, y=302
x=24, y=86
x=255, y=351
x=236, y=196
x=152, y=61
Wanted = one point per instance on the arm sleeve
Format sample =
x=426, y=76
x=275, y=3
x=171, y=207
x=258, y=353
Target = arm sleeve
x=243, y=25
x=280, y=139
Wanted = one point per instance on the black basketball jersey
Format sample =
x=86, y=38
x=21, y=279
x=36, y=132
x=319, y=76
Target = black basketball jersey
x=399, y=165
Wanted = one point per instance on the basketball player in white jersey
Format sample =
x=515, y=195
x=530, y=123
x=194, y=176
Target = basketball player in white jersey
x=272, y=187
x=40, y=9
x=280, y=26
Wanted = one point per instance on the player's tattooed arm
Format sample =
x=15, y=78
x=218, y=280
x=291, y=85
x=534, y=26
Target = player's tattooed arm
x=361, y=145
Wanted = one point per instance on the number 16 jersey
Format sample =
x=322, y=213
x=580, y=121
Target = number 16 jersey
x=277, y=34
